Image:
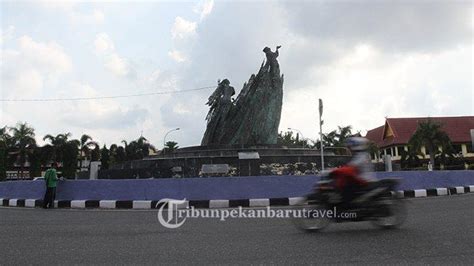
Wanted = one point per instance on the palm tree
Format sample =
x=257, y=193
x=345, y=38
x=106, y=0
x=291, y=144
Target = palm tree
x=35, y=157
x=171, y=146
x=430, y=135
x=70, y=153
x=330, y=139
x=5, y=139
x=66, y=151
x=120, y=155
x=343, y=135
x=104, y=158
x=338, y=137
x=137, y=149
x=23, y=140
x=57, y=144
x=145, y=146
x=373, y=149
x=86, y=144
x=409, y=158
x=95, y=153
x=288, y=139
x=112, y=154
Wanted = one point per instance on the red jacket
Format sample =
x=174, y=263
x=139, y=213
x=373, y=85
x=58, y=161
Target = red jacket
x=347, y=175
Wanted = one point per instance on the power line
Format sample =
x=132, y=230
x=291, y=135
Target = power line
x=104, y=97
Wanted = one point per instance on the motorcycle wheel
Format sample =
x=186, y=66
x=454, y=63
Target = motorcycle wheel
x=309, y=223
x=397, y=214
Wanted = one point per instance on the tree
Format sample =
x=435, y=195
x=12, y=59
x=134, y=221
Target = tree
x=120, y=155
x=65, y=150
x=70, y=156
x=95, y=153
x=4, y=146
x=409, y=159
x=373, y=149
x=430, y=135
x=145, y=146
x=170, y=146
x=86, y=144
x=57, y=144
x=136, y=149
x=287, y=139
x=343, y=134
x=23, y=140
x=35, y=159
x=104, y=158
x=338, y=137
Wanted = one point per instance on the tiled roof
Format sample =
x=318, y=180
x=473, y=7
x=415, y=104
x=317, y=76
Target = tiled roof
x=457, y=128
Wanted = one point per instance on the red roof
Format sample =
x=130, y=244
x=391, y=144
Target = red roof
x=457, y=128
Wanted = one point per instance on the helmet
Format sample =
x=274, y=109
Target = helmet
x=357, y=144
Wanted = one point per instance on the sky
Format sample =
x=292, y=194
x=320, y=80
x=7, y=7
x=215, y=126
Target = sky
x=366, y=60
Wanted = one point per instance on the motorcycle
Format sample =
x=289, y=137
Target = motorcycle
x=377, y=203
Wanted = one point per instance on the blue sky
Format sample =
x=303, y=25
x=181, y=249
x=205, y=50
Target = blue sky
x=366, y=59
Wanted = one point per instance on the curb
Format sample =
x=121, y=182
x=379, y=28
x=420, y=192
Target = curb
x=209, y=204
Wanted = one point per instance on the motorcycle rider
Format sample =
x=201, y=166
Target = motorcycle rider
x=357, y=175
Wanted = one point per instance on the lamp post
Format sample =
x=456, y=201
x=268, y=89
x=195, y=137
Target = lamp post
x=301, y=134
x=164, y=139
x=321, y=122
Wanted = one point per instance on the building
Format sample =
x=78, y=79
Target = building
x=393, y=136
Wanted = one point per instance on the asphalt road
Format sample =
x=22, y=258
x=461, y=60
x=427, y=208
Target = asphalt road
x=439, y=230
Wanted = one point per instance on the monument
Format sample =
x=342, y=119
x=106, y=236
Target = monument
x=240, y=137
x=254, y=116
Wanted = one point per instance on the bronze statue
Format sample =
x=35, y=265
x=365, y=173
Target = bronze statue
x=254, y=117
x=220, y=103
x=271, y=56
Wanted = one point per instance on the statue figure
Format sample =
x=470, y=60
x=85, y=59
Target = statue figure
x=254, y=117
x=220, y=103
x=271, y=57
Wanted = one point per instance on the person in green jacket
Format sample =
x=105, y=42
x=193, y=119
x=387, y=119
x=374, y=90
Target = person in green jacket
x=51, y=180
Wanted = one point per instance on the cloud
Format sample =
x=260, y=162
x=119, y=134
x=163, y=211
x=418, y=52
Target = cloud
x=177, y=56
x=390, y=25
x=6, y=35
x=105, y=48
x=45, y=55
x=94, y=17
x=204, y=8
x=65, y=5
x=182, y=28
x=70, y=9
x=118, y=118
x=26, y=69
x=365, y=85
x=117, y=65
x=103, y=43
x=100, y=114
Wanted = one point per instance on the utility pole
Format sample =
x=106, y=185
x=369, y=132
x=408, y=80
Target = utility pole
x=321, y=132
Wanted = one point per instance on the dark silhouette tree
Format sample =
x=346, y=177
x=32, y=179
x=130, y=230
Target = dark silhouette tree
x=23, y=139
x=104, y=158
x=86, y=145
x=430, y=135
x=170, y=146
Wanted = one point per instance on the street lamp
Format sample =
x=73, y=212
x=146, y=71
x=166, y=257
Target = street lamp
x=301, y=134
x=321, y=122
x=164, y=139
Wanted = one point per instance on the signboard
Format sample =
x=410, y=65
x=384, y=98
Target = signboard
x=215, y=168
x=249, y=155
x=177, y=169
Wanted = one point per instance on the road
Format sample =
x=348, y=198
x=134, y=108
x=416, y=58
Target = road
x=439, y=230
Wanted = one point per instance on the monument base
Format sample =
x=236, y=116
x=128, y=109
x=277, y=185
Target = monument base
x=243, y=160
